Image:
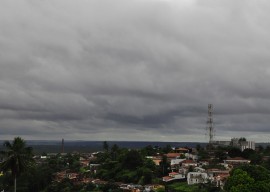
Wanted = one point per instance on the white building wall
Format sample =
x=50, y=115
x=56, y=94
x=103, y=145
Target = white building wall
x=196, y=178
x=248, y=145
x=176, y=161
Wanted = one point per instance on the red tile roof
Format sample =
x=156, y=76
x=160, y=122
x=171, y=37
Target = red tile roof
x=173, y=173
x=167, y=178
x=173, y=155
x=188, y=161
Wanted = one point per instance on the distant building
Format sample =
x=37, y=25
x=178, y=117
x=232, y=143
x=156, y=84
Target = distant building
x=247, y=145
x=222, y=143
x=240, y=143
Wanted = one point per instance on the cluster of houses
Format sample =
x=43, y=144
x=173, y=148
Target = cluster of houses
x=184, y=166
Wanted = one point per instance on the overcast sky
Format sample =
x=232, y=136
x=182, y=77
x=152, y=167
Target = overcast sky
x=134, y=69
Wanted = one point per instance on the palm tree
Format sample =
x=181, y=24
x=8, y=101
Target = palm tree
x=17, y=158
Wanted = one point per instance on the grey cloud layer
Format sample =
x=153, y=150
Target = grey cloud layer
x=133, y=70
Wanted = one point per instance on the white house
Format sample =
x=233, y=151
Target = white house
x=177, y=175
x=196, y=178
x=176, y=161
x=191, y=156
x=199, y=169
x=188, y=163
x=173, y=176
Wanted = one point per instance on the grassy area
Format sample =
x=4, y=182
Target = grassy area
x=184, y=187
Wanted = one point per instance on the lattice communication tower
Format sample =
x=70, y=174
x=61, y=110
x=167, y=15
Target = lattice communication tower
x=210, y=127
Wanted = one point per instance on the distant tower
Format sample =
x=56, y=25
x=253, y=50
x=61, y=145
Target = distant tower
x=210, y=128
x=62, y=151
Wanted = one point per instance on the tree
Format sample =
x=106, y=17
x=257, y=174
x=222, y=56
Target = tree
x=114, y=151
x=258, y=173
x=145, y=175
x=105, y=146
x=235, y=152
x=248, y=178
x=167, y=149
x=239, y=180
x=148, y=151
x=220, y=155
x=260, y=148
x=132, y=160
x=242, y=139
x=256, y=159
x=17, y=158
x=164, y=166
x=198, y=147
x=247, y=153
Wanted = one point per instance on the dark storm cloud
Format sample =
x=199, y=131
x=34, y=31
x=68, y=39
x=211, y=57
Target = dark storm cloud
x=133, y=70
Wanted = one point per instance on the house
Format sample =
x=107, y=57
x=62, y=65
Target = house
x=155, y=159
x=175, y=164
x=99, y=182
x=265, y=158
x=152, y=187
x=167, y=178
x=191, y=156
x=181, y=150
x=183, y=170
x=94, y=167
x=84, y=163
x=199, y=169
x=59, y=176
x=212, y=173
x=173, y=155
x=177, y=161
x=220, y=180
x=86, y=180
x=203, y=163
x=73, y=176
x=236, y=161
x=196, y=178
x=188, y=163
x=173, y=176
x=176, y=175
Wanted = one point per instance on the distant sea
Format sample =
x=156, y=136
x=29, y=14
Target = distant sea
x=42, y=146
x=46, y=146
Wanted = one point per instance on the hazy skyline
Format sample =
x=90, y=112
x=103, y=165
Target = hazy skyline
x=134, y=69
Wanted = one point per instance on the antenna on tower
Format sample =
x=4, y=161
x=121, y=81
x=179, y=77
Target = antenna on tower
x=210, y=127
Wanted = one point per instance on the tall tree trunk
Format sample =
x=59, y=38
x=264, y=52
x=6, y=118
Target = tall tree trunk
x=15, y=184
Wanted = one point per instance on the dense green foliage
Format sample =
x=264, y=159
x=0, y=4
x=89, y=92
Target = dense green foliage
x=184, y=187
x=249, y=178
x=17, y=158
x=128, y=166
